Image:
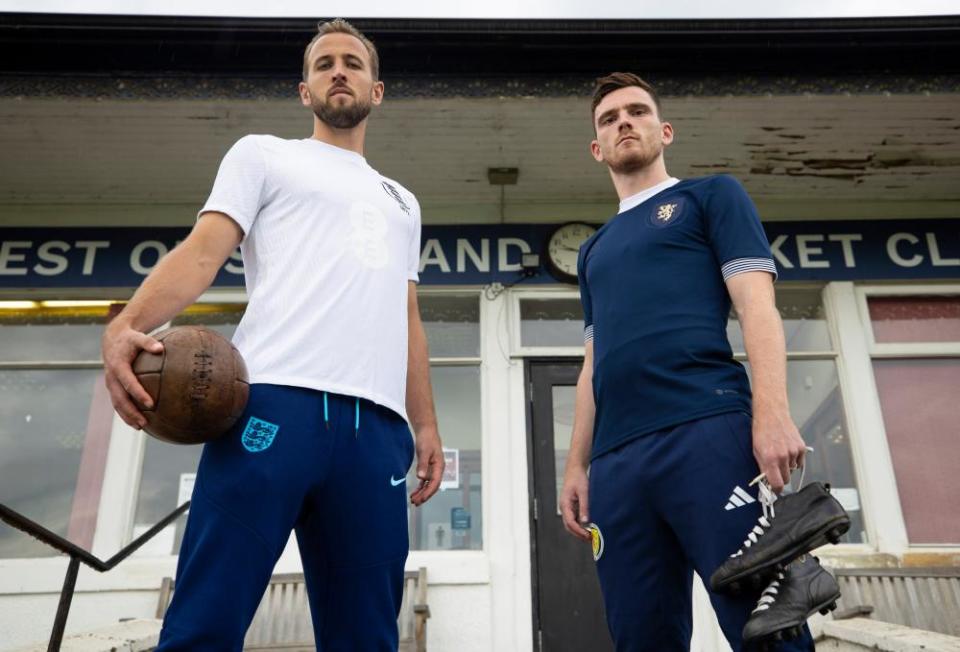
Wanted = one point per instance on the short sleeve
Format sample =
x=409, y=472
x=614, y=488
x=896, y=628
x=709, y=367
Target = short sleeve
x=585, y=295
x=238, y=189
x=413, y=257
x=734, y=230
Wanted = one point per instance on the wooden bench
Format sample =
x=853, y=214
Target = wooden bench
x=282, y=621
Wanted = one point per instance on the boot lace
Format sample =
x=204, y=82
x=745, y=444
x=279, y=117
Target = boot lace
x=769, y=595
x=767, y=499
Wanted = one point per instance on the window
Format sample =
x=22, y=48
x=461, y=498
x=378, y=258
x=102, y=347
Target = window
x=551, y=322
x=916, y=364
x=166, y=479
x=915, y=319
x=564, y=407
x=813, y=389
x=452, y=323
x=55, y=419
x=804, y=323
x=812, y=383
x=453, y=518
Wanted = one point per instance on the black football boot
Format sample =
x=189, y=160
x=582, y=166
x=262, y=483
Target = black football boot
x=798, y=523
x=795, y=594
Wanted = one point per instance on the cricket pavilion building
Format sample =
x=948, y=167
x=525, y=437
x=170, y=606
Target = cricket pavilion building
x=845, y=130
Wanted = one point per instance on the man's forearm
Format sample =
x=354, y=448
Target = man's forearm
x=178, y=279
x=766, y=350
x=420, y=408
x=777, y=444
x=584, y=413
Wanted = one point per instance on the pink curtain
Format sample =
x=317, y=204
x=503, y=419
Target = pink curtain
x=915, y=319
x=920, y=400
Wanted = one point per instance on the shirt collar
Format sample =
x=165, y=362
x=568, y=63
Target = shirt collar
x=635, y=200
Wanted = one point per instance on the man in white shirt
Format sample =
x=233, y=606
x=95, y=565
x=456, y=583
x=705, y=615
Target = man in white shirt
x=338, y=365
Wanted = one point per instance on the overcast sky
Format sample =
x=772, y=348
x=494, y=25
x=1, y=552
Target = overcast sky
x=564, y=9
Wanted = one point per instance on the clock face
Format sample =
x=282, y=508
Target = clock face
x=563, y=247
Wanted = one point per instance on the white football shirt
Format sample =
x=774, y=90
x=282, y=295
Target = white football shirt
x=329, y=246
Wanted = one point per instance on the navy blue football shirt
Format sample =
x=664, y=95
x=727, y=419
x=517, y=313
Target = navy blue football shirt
x=655, y=304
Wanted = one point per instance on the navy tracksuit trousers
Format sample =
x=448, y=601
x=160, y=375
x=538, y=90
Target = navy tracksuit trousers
x=330, y=467
x=667, y=504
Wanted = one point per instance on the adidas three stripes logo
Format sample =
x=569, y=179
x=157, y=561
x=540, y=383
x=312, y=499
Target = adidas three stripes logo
x=739, y=498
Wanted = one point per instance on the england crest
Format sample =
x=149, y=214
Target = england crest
x=258, y=435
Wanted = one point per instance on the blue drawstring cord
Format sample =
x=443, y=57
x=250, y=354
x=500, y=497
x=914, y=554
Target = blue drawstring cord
x=356, y=418
x=356, y=421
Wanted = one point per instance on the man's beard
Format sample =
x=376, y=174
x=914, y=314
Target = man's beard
x=346, y=116
x=635, y=159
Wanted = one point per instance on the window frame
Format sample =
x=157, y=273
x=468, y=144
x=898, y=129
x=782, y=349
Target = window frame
x=130, y=448
x=893, y=519
x=118, y=527
x=888, y=350
x=485, y=472
x=517, y=349
x=123, y=472
x=824, y=354
x=456, y=361
x=97, y=464
x=835, y=353
x=873, y=465
x=116, y=521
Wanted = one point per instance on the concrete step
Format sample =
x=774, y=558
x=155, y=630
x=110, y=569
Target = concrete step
x=863, y=635
x=139, y=635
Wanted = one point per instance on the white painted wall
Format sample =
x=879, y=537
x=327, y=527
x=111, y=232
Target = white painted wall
x=30, y=592
x=27, y=619
x=460, y=600
x=480, y=600
x=460, y=619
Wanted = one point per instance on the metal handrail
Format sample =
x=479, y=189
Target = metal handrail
x=77, y=555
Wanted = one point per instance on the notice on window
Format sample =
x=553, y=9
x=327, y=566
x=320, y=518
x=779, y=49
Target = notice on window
x=459, y=518
x=848, y=497
x=451, y=471
x=186, y=487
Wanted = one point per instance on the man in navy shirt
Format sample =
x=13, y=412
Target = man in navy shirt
x=664, y=416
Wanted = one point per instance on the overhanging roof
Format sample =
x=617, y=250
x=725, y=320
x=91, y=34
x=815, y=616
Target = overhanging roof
x=52, y=43
x=124, y=119
x=151, y=161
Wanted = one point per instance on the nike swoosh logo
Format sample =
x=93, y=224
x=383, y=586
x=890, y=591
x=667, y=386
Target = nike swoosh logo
x=397, y=482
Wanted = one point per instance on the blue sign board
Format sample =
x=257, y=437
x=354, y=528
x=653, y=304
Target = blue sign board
x=479, y=254
x=459, y=519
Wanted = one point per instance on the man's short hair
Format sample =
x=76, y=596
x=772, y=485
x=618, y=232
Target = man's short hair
x=617, y=80
x=340, y=26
